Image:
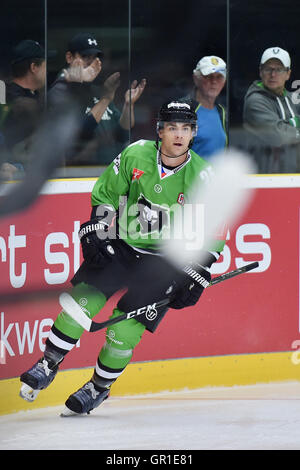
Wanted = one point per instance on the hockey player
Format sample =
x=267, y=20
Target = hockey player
x=121, y=245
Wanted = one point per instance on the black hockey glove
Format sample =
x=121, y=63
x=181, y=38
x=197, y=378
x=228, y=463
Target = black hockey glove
x=195, y=280
x=95, y=238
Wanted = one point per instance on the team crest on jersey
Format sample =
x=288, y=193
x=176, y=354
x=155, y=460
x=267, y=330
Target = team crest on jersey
x=180, y=199
x=136, y=174
x=152, y=217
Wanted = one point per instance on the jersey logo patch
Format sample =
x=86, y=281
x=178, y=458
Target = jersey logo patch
x=152, y=217
x=117, y=163
x=180, y=199
x=136, y=174
x=163, y=173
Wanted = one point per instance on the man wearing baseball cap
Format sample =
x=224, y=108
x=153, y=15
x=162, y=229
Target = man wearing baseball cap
x=85, y=44
x=105, y=128
x=29, y=49
x=24, y=98
x=209, y=77
x=271, y=117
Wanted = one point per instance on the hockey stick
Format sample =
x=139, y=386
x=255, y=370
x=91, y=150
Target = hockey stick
x=72, y=308
x=235, y=272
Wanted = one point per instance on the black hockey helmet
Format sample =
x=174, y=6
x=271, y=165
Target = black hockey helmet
x=177, y=111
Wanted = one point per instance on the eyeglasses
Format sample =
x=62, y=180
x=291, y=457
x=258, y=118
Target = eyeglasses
x=277, y=70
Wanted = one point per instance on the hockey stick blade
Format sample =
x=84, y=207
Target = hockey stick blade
x=72, y=308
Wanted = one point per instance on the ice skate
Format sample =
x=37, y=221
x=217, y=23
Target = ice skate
x=39, y=376
x=84, y=400
x=28, y=393
x=36, y=379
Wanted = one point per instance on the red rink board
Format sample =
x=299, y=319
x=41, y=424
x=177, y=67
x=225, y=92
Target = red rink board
x=253, y=313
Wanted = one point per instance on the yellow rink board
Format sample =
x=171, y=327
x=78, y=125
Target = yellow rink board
x=167, y=375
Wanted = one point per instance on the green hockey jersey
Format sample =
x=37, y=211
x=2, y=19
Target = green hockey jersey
x=147, y=195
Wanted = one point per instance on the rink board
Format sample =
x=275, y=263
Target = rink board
x=249, y=316
x=160, y=376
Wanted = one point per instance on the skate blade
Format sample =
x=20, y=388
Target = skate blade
x=27, y=393
x=66, y=413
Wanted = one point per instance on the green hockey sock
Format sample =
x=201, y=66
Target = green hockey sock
x=121, y=339
x=90, y=299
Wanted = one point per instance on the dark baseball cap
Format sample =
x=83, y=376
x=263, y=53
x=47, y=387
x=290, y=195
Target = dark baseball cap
x=85, y=44
x=29, y=49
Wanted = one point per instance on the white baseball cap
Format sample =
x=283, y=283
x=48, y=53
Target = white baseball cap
x=211, y=64
x=276, y=53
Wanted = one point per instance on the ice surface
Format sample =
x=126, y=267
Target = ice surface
x=245, y=417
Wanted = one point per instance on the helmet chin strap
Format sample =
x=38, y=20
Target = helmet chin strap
x=171, y=156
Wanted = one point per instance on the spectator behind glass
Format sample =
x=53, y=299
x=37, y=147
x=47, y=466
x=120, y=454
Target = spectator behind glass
x=8, y=171
x=209, y=78
x=104, y=131
x=270, y=116
x=24, y=99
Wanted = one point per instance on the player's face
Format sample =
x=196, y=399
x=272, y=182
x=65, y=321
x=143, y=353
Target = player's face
x=175, y=138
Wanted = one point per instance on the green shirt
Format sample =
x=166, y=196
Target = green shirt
x=146, y=194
